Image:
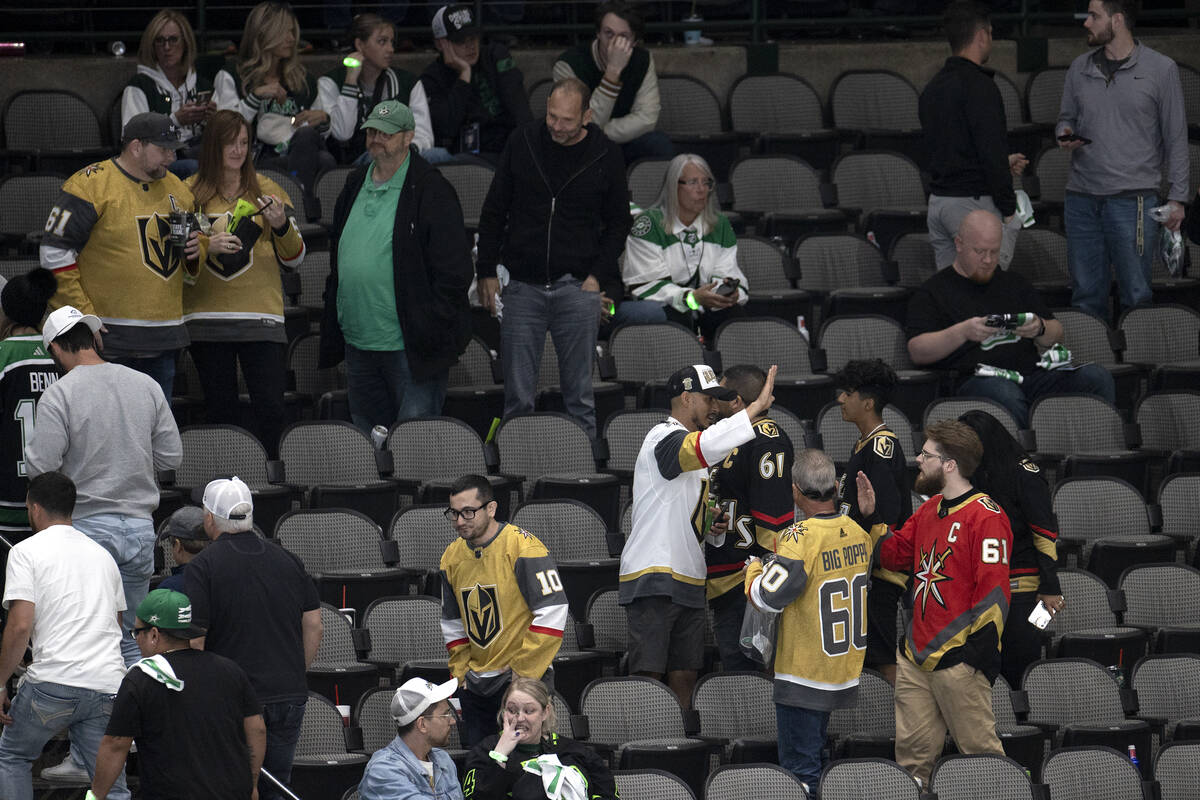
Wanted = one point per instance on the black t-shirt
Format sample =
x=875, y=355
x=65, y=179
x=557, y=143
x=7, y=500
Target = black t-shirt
x=561, y=162
x=251, y=594
x=191, y=743
x=948, y=298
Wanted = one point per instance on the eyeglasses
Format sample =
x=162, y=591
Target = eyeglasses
x=927, y=454
x=447, y=715
x=166, y=41
x=466, y=513
x=692, y=183
x=135, y=631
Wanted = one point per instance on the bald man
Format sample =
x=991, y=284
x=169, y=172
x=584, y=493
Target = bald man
x=953, y=325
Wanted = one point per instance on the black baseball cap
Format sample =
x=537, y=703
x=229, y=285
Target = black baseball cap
x=185, y=523
x=153, y=128
x=455, y=23
x=698, y=378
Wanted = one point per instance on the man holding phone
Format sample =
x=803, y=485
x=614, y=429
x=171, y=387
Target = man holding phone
x=997, y=358
x=1123, y=121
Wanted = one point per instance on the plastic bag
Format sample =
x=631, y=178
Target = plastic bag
x=759, y=629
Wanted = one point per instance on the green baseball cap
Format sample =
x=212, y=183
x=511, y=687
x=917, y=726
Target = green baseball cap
x=169, y=611
x=391, y=116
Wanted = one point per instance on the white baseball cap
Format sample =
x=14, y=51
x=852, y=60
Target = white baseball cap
x=416, y=695
x=228, y=498
x=62, y=320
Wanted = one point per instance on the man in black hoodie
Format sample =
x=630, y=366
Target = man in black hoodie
x=967, y=136
x=556, y=216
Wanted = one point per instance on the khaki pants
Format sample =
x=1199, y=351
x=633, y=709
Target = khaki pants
x=958, y=698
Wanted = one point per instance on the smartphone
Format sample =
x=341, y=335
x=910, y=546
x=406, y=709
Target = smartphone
x=203, y=98
x=1073, y=137
x=727, y=287
x=1040, y=616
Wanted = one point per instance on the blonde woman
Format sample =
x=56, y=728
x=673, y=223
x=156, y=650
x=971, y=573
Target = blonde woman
x=496, y=768
x=273, y=91
x=168, y=82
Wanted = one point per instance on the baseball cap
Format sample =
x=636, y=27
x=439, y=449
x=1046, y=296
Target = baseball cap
x=698, y=378
x=62, y=320
x=455, y=23
x=416, y=695
x=228, y=498
x=390, y=116
x=185, y=523
x=169, y=611
x=153, y=128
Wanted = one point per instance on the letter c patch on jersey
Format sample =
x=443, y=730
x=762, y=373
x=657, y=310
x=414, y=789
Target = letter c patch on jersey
x=482, y=614
x=883, y=446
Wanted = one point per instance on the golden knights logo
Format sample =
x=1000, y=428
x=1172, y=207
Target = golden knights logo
x=214, y=264
x=929, y=575
x=154, y=233
x=883, y=446
x=481, y=614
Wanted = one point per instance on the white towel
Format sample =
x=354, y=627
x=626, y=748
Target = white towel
x=159, y=668
x=559, y=782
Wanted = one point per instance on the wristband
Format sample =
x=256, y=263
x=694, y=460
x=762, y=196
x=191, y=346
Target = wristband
x=1041, y=332
x=690, y=299
x=351, y=62
x=282, y=229
x=499, y=758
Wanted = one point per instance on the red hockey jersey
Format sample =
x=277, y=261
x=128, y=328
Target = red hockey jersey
x=958, y=553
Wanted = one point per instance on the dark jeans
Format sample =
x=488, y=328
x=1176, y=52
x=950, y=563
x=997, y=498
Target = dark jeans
x=801, y=740
x=1018, y=397
x=161, y=367
x=264, y=368
x=728, y=610
x=478, y=716
x=283, y=721
x=1103, y=231
x=381, y=389
x=572, y=317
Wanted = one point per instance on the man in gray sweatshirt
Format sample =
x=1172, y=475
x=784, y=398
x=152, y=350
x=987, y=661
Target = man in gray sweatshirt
x=1123, y=120
x=108, y=428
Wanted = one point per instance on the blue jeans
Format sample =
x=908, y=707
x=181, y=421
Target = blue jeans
x=39, y=712
x=130, y=541
x=801, y=740
x=1017, y=398
x=1103, y=231
x=572, y=316
x=381, y=389
x=654, y=144
x=160, y=367
x=283, y=732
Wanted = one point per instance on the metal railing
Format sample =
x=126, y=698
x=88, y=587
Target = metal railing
x=96, y=21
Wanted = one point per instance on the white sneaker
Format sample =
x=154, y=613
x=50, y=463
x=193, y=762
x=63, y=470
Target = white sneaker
x=67, y=772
